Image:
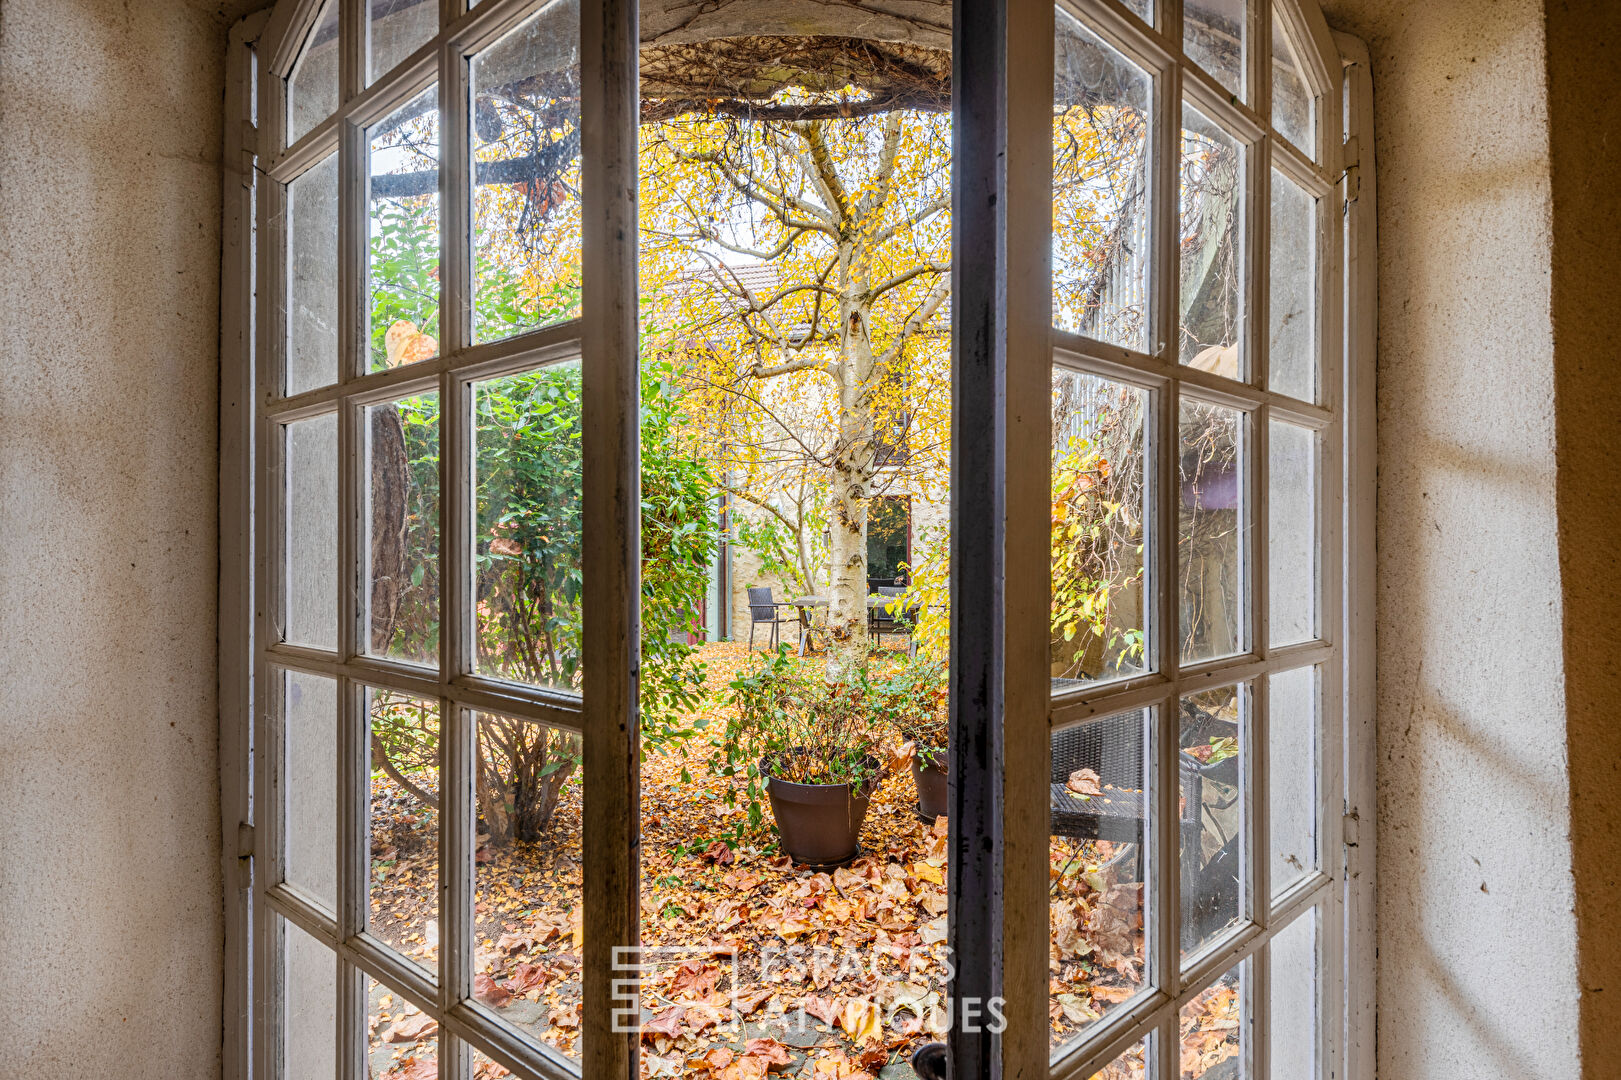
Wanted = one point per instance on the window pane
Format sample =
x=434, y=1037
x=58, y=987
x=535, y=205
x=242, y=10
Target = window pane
x=1292, y=533
x=1211, y=303
x=526, y=201
x=1099, y=613
x=1294, y=997
x=309, y=1006
x=398, y=28
x=403, y=824
x=402, y=1042
x=1214, y=36
x=1292, y=337
x=1292, y=725
x=312, y=532
x=404, y=233
x=1214, y=1027
x=526, y=911
x=1099, y=866
x=310, y=785
x=312, y=87
x=1294, y=109
x=1212, y=764
x=1132, y=1064
x=1213, y=517
x=526, y=551
x=402, y=546
x=312, y=285
x=1101, y=243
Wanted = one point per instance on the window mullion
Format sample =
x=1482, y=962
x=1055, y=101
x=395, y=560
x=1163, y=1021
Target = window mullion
x=353, y=51
x=612, y=529
x=1257, y=802
x=1255, y=1012
x=352, y=874
x=1165, y=903
x=456, y=867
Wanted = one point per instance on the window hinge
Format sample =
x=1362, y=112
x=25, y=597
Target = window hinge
x=1351, y=838
x=1353, y=169
x=244, y=840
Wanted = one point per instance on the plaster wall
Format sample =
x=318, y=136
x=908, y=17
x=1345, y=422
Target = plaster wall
x=1477, y=941
x=110, y=924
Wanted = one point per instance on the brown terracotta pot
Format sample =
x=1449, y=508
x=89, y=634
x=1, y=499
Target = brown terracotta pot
x=820, y=824
x=932, y=792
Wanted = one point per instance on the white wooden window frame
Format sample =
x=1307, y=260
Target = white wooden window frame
x=1173, y=980
x=262, y=51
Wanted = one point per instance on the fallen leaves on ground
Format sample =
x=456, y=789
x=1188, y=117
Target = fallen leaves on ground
x=868, y=980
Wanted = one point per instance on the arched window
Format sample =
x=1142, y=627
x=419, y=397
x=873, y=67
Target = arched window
x=1112, y=347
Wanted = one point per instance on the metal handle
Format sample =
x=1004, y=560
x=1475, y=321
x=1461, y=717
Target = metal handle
x=929, y=1061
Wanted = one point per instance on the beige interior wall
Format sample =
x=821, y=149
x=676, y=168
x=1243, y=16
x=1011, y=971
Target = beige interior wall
x=1476, y=933
x=1584, y=92
x=110, y=931
x=109, y=894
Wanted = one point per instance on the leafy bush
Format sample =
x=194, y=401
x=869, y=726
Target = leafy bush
x=527, y=562
x=798, y=721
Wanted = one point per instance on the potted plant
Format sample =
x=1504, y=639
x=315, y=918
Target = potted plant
x=804, y=740
x=914, y=702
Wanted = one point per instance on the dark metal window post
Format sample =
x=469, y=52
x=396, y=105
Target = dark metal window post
x=1000, y=489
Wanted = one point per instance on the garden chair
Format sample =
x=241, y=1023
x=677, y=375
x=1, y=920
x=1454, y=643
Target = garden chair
x=880, y=621
x=1112, y=747
x=763, y=609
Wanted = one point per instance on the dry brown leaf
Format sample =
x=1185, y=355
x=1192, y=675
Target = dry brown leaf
x=1085, y=782
x=490, y=992
x=411, y=1029
x=769, y=1050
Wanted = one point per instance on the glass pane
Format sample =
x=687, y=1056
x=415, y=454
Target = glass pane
x=1211, y=303
x=397, y=29
x=403, y=232
x=1132, y=1064
x=1214, y=1028
x=1292, y=335
x=1210, y=543
x=1292, y=532
x=1294, y=997
x=526, y=201
x=526, y=551
x=312, y=284
x=487, y=1068
x=312, y=532
x=402, y=542
x=310, y=785
x=1294, y=108
x=312, y=87
x=1215, y=36
x=403, y=824
x=1144, y=9
x=1101, y=246
x=402, y=1042
x=1099, y=612
x=1292, y=725
x=526, y=911
x=309, y=1006
x=1099, y=864
x=1212, y=764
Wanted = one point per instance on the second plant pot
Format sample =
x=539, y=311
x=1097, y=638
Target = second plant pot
x=820, y=824
x=929, y=773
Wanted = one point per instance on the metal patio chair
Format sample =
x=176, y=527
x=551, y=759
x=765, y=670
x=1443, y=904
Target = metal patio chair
x=1112, y=747
x=764, y=610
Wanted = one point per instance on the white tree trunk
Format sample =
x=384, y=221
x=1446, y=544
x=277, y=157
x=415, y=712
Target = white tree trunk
x=851, y=487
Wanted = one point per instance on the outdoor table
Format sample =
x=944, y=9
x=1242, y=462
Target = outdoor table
x=807, y=605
